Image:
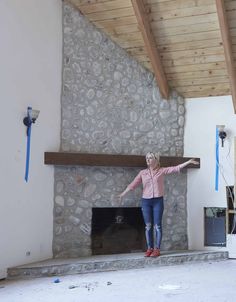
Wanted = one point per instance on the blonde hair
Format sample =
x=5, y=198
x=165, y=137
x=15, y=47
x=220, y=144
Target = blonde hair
x=155, y=155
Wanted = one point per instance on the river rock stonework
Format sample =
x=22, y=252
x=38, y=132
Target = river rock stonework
x=111, y=104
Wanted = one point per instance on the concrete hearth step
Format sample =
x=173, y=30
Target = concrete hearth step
x=102, y=263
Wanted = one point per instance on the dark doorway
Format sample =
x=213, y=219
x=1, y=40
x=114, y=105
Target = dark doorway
x=215, y=226
x=117, y=230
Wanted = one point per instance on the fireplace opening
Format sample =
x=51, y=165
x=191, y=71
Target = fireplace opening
x=117, y=230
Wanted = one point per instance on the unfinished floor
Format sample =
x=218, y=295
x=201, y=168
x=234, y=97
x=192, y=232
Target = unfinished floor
x=195, y=282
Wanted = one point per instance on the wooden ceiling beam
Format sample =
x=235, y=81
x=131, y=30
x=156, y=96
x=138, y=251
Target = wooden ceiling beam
x=151, y=46
x=220, y=7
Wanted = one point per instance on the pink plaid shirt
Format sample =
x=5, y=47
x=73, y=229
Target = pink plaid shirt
x=153, y=185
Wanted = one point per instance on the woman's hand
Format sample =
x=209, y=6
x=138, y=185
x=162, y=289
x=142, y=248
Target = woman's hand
x=193, y=161
x=120, y=196
x=123, y=193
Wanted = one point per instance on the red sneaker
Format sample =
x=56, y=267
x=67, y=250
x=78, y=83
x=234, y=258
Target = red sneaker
x=148, y=252
x=155, y=253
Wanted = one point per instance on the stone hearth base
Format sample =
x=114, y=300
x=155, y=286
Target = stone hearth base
x=102, y=263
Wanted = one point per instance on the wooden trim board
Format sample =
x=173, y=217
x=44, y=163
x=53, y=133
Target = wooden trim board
x=112, y=160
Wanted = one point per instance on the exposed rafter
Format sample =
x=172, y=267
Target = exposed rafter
x=187, y=36
x=227, y=48
x=151, y=47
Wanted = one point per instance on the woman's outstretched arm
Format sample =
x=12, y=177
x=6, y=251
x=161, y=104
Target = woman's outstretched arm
x=176, y=169
x=136, y=182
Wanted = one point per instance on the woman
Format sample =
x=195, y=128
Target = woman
x=152, y=180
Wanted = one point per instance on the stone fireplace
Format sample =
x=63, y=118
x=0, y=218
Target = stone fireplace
x=81, y=190
x=111, y=105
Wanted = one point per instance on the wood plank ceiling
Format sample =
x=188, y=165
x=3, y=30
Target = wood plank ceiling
x=187, y=35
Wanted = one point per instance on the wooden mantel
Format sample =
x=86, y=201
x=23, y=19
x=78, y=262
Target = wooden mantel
x=112, y=160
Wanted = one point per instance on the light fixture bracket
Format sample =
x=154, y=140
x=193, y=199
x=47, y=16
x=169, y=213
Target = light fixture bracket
x=31, y=117
x=222, y=133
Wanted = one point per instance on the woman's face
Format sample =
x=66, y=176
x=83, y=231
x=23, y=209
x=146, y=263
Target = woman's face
x=151, y=160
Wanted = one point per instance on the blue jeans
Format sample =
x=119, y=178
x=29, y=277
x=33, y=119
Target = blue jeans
x=152, y=210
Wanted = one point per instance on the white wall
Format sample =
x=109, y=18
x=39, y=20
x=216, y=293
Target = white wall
x=202, y=116
x=30, y=74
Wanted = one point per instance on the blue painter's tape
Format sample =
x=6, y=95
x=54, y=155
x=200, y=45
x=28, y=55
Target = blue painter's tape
x=27, y=154
x=217, y=161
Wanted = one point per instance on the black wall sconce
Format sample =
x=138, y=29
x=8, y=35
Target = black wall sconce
x=31, y=117
x=222, y=134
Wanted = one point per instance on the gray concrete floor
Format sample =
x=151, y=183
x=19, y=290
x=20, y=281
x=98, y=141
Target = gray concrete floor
x=195, y=282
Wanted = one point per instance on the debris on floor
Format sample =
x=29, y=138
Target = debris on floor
x=57, y=281
x=73, y=286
